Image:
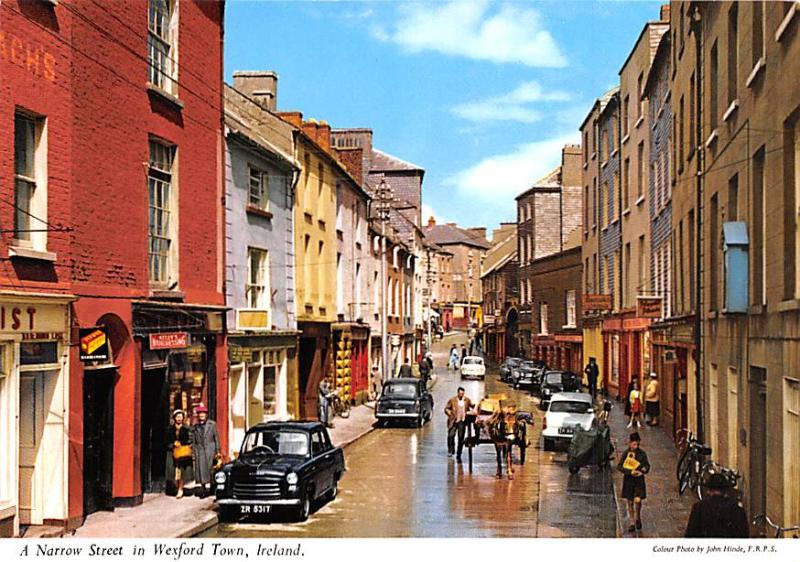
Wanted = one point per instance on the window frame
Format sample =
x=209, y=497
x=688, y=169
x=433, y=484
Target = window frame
x=162, y=38
x=261, y=201
x=163, y=174
x=257, y=292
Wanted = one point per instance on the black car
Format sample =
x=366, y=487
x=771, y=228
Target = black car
x=507, y=366
x=405, y=399
x=554, y=382
x=526, y=375
x=281, y=465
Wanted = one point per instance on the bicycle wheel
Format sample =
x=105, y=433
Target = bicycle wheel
x=683, y=463
x=683, y=478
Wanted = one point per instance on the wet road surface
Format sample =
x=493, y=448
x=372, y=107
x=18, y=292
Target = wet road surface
x=400, y=482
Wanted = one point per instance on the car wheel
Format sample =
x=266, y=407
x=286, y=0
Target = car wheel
x=573, y=469
x=548, y=444
x=226, y=513
x=305, y=506
x=331, y=495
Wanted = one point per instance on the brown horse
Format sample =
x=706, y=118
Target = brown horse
x=503, y=431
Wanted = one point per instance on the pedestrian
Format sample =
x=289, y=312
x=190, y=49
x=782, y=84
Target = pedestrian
x=324, y=397
x=405, y=368
x=429, y=359
x=592, y=373
x=179, y=452
x=454, y=357
x=635, y=403
x=205, y=448
x=634, y=465
x=652, y=404
x=463, y=354
x=424, y=369
x=456, y=411
x=718, y=515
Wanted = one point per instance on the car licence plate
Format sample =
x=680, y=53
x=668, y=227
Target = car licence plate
x=395, y=411
x=566, y=430
x=254, y=509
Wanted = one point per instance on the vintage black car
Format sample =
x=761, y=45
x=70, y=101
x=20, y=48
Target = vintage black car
x=404, y=399
x=527, y=375
x=281, y=465
x=507, y=366
x=555, y=382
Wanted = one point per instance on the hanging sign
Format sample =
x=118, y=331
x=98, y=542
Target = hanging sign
x=169, y=340
x=93, y=344
x=593, y=302
x=648, y=307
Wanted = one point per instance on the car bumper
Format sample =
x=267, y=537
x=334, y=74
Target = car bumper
x=275, y=503
x=401, y=415
x=472, y=375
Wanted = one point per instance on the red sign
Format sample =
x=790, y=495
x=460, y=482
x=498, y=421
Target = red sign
x=648, y=307
x=596, y=302
x=170, y=340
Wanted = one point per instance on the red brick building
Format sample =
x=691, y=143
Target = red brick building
x=113, y=191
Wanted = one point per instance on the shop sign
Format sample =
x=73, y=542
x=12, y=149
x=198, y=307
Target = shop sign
x=592, y=302
x=93, y=344
x=239, y=354
x=33, y=321
x=648, y=307
x=169, y=340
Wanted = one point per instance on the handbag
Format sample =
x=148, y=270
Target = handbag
x=182, y=452
x=630, y=462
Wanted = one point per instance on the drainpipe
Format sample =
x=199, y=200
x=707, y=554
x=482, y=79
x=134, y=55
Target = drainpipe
x=697, y=30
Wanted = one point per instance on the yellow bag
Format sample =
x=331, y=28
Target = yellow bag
x=630, y=462
x=182, y=452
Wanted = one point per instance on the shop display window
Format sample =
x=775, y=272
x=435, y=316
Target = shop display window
x=187, y=379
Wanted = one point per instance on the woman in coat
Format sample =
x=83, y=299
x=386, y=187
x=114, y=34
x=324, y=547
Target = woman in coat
x=633, y=464
x=178, y=470
x=205, y=447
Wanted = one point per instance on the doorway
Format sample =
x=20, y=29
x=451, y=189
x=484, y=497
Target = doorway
x=31, y=434
x=155, y=420
x=98, y=440
x=758, y=440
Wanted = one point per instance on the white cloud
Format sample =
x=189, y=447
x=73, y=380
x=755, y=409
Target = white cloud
x=507, y=175
x=476, y=30
x=513, y=106
x=427, y=212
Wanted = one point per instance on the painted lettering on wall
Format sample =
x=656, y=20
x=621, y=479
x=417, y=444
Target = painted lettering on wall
x=30, y=56
x=18, y=318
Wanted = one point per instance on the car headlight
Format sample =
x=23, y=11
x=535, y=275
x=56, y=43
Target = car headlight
x=291, y=479
x=547, y=391
x=220, y=477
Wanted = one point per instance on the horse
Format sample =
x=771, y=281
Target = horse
x=503, y=430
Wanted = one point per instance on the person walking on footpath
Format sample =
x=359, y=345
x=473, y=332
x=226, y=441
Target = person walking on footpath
x=324, y=396
x=454, y=357
x=633, y=464
x=405, y=368
x=717, y=515
x=592, y=373
x=463, y=354
x=652, y=404
x=424, y=369
x=205, y=448
x=456, y=411
x=179, y=452
x=635, y=403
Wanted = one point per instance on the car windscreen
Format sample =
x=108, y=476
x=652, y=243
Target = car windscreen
x=553, y=378
x=473, y=361
x=276, y=441
x=400, y=390
x=568, y=407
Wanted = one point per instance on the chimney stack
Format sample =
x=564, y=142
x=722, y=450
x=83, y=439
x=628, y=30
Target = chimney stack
x=664, y=13
x=260, y=85
x=478, y=231
x=431, y=221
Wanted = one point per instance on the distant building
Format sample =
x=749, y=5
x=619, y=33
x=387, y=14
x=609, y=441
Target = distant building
x=499, y=281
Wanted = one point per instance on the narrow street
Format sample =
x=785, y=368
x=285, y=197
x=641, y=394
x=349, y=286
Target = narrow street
x=401, y=483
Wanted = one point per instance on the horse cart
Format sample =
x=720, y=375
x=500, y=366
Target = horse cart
x=487, y=424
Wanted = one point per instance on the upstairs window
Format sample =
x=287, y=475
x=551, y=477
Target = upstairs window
x=571, y=309
x=162, y=44
x=30, y=182
x=259, y=189
x=257, y=288
x=162, y=231
x=543, y=320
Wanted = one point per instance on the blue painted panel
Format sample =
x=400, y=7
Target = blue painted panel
x=736, y=249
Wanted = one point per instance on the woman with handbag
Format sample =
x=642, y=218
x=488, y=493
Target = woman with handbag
x=179, y=451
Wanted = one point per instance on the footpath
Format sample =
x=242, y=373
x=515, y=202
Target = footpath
x=665, y=512
x=162, y=516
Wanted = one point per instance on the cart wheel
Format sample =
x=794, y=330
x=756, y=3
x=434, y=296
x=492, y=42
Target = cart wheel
x=522, y=448
x=573, y=469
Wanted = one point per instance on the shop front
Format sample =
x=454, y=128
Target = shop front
x=314, y=362
x=351, y=361
x=671, y=357
x=34, y=394
x=262, y=381
x=183, y=364
x=570, y=348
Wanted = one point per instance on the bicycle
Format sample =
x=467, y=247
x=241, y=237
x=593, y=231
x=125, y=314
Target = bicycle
x=780, y=531
x=731, y=476
x=691, y=463
x=339, y=405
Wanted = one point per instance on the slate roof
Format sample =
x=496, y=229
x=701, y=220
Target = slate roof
x=383, y=162
x=448, y=234
x=501, y=252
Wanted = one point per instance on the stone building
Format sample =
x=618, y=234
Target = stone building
x=499, y=279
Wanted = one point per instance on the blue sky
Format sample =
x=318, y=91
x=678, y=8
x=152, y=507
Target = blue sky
x=481, y=94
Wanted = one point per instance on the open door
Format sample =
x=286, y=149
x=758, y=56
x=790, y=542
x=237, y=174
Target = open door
x=98, y=440
x=31, y=433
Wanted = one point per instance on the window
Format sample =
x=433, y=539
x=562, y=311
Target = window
x=640, y=179
x=586, y=209
x=733, y=52
x=641, y=280
x=681, y=127
x=257, y=288
x=758, y=31
x=791, y=236
x=733, y=198
x=758, y=221
x=626, y=273
x=692, y=140
x=320, y=267
x=339, y=284
x=30, y=181
x=162, y=230
x=595, y=204
x=713, y=406
x=162, y=44
x=615, y=205
x=681, y=252
x=543, y=319
x=692, y=253
x=376, y=294
x=572, y=319
x=585, y=147
x=733, y=417
x=713, y=94
x=791, y=439
x=625, y=115
x=358, y=292
x=713, y=252
x=640, y=92
x=259, y=189
x=603, y=212
x=626, y=181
